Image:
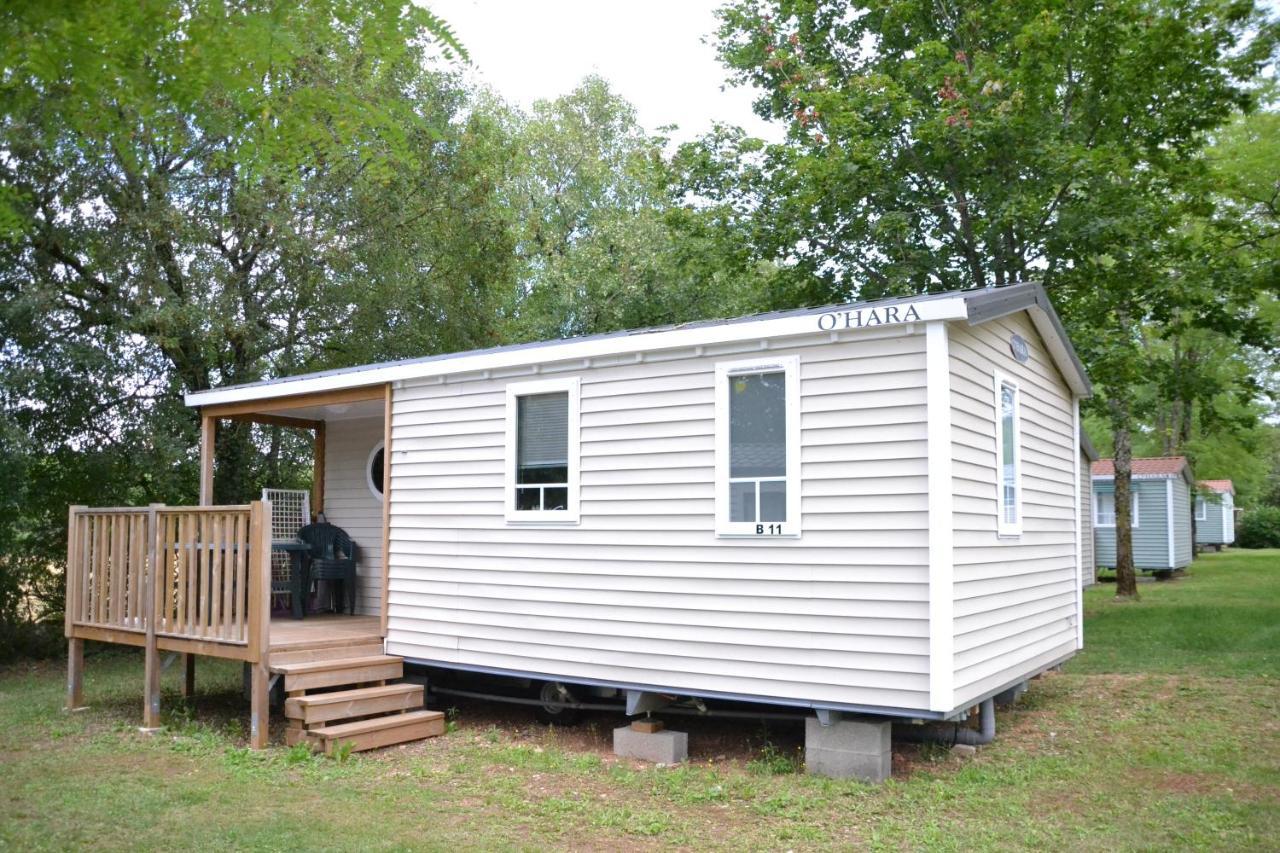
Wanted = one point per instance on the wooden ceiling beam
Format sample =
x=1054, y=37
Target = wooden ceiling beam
x=275, y=420
x=297, y=401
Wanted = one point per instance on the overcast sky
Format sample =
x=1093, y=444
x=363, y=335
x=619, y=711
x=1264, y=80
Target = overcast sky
x=653, y=53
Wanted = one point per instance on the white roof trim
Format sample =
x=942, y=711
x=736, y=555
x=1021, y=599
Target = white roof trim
x=978, y=306
x=1060, y=349
x=819, y=321
x=1136, y=476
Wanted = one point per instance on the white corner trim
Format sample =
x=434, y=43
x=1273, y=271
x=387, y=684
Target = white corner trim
x=793, y=527
x=1075, y=480
x=941, y=519
x=1168, y=510
x=572, y=514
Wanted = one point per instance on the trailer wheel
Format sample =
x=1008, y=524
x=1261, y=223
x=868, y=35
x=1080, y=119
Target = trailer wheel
x=553, y=693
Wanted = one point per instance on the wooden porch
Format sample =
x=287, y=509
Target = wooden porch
x=322, y=630
x=197, y=581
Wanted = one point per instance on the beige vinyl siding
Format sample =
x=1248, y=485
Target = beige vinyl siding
x=349, y=504
x=1088, y=564
x=642, y=592
x=1015, y=598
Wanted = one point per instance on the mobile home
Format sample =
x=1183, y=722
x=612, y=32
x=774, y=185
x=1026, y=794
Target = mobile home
x=869, y=509
x=1088, y=455
x=1215, y=513
x=1161, y=513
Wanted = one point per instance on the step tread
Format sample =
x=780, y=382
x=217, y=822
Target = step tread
x=334, y=663
x=338, y=696
x=375, y=724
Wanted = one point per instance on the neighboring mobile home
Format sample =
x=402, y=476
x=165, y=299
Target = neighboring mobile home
x=1088, y=455
x=871, y=508
x=1161, y=493
x=1215, y=513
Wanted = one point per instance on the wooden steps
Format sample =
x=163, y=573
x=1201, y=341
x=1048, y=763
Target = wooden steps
x=348, y=704
x=354, y=704
x=380, y=731
x=335, y=672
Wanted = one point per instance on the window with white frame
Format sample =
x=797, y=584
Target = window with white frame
x=1202, y=509
x=1009, y=456
x=758, y=448
x=542, y=451
x=1104, y=509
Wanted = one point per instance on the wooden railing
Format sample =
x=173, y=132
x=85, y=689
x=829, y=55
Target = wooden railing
x=107, y=556
x=196, y=578
x=203, y=584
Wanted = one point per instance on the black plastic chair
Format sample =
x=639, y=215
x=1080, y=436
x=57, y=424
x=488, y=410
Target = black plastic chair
x=333, y=558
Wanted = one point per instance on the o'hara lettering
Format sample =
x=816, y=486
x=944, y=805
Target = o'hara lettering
x=864, y=317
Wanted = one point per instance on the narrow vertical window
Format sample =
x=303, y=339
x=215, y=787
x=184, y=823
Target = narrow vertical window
x=1202, y=509
x=757, y=452
x=542, y=451
x=1008, y=453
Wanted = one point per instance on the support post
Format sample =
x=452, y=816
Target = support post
x=259, y=623
x=386, y=506
x=151, y=688
x=75, y=674
x=317, y=470
x=259, y=705
x=188, y=675
x=849, y=748
x=208, y=435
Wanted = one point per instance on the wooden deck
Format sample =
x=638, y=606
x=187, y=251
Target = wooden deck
x=323, y=630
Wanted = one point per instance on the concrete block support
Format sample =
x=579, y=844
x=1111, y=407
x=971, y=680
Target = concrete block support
x=850, y=748
x=664, y=747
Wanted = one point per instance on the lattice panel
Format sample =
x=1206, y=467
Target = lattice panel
x=290, y=512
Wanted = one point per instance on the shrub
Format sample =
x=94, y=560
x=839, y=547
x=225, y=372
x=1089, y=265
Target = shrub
x=1260, y=528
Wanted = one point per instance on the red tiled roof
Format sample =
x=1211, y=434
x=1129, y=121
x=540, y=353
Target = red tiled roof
x=1158, y=466
x=1219, y=486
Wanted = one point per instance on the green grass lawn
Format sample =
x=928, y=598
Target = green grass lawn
x=1165, y=733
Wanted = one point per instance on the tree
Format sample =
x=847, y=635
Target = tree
x=933, y=146
x=603, y=243
x=195, y=186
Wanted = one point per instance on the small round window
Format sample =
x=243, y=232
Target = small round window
x=374, y=471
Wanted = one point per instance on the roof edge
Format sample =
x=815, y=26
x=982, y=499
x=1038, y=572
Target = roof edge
x=997, y=302
x=976, y=306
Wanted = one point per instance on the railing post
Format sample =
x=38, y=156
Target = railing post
x=152, y=589
x=72, y=598
x=75, y=645
x=259, y=622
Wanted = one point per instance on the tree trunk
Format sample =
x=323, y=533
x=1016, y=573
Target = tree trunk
x=1126, y=577
x=235, y=454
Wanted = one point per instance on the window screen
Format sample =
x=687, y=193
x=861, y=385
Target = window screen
x=758, y=447
x=542, y=452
